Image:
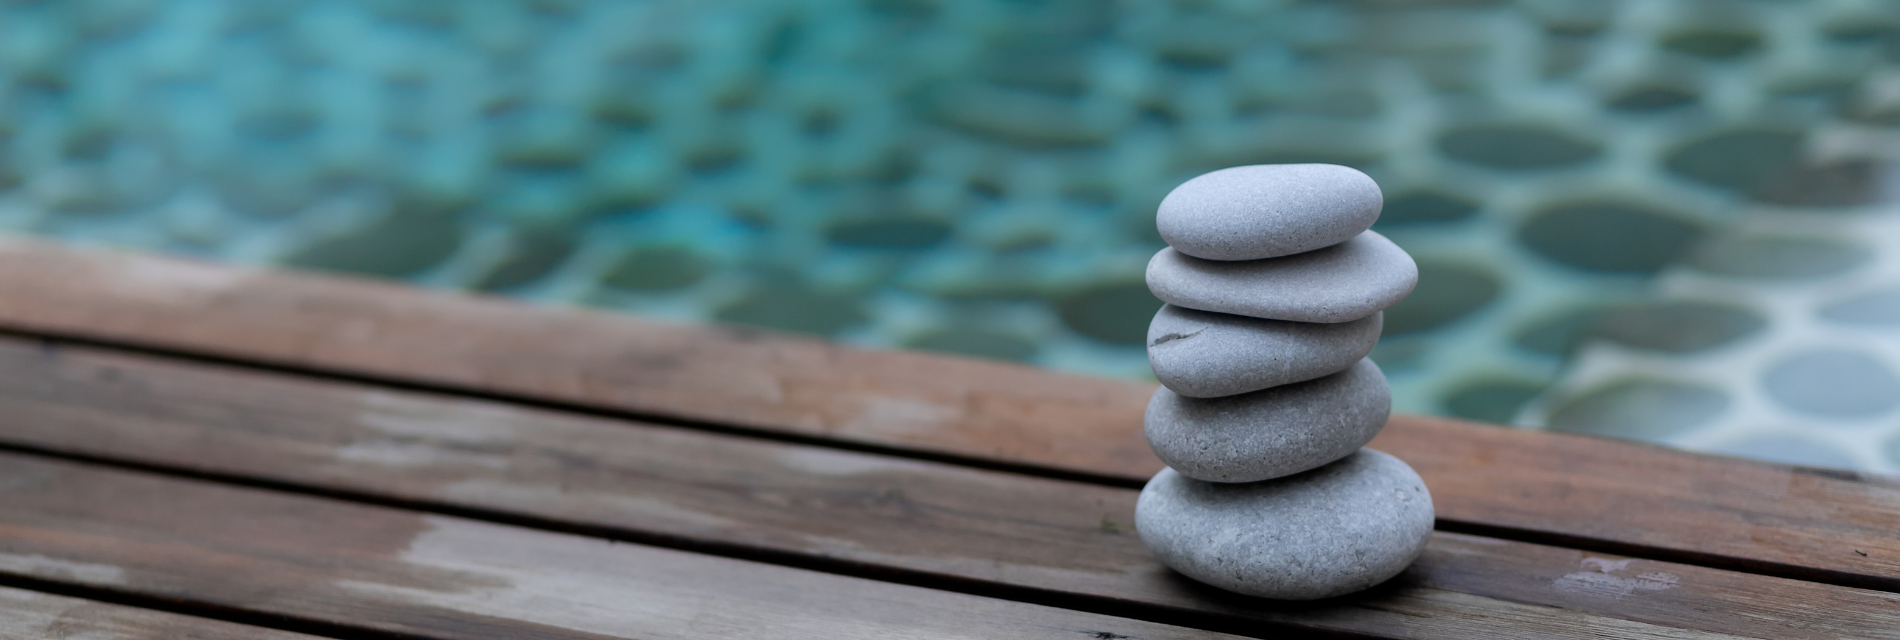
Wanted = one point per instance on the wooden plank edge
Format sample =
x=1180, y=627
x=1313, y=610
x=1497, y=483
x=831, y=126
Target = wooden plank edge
x=1028, y=422
x=612, y=480
x=31, y=609
x=100, y=613
x=1503, y=528
x=52, y=341
x=1131, y=609
x=431, y=576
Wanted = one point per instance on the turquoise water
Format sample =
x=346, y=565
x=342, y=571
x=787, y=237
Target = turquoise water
x=971, y=176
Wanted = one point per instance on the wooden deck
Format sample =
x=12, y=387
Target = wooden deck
x=196, y=451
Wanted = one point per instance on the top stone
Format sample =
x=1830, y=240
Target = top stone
x=1267, y=210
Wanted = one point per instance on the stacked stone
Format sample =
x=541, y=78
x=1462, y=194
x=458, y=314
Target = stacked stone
x=1275, y=287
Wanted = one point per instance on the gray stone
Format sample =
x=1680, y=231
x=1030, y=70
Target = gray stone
x=1271, y=433
x=1346, y=281
x=1328, y=532
x=1833, y=383
x=1201, y=354
x=1267, y=210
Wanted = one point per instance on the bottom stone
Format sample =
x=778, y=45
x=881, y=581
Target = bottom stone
x=1331, y=531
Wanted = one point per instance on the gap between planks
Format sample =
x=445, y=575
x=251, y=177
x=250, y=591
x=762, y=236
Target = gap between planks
x=1506, y=524
x=430, y=576
x=1040, y=540
x=1813, y=525
x=36, y=609
x=373, y=571
x=34, y=615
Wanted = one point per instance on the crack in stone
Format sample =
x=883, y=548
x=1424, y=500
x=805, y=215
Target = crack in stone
x=1175, y=336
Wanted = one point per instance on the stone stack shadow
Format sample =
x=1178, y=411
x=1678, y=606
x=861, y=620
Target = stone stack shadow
x=1275, y=287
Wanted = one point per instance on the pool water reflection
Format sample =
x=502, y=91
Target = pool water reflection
x=1626, y=213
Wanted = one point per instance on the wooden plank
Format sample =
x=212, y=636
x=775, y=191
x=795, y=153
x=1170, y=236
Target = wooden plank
x=440, y=577
x=31, y=615
x=1814, y=524
x=1636, y=498
x=841, y=510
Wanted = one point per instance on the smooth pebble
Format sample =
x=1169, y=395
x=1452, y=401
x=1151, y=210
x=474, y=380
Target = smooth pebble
x=1272, y=433
x=1201, y=354
x=1331, y=531
x=1347, y=281
x=1268, y=210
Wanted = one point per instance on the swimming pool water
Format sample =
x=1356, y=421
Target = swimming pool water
x=1631, y=217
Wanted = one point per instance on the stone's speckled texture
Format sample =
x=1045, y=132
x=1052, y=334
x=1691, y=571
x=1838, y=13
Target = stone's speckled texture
x=1331, y=531
x=1272, y=433
x=1201, y=354
x=1347, y=281
x=1267, y=211
x=1833, y=383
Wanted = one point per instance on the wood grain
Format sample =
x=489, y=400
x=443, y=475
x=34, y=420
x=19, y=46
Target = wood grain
x=1533, y=486
x=441, y=577
x=30, y=615
x=1815, y=524
x=875, y=515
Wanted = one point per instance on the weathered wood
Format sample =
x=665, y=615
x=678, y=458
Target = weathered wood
x=442, y=577
x=31, y=615
x=842, y=510
x=1814, y=524
x=1615, y=495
